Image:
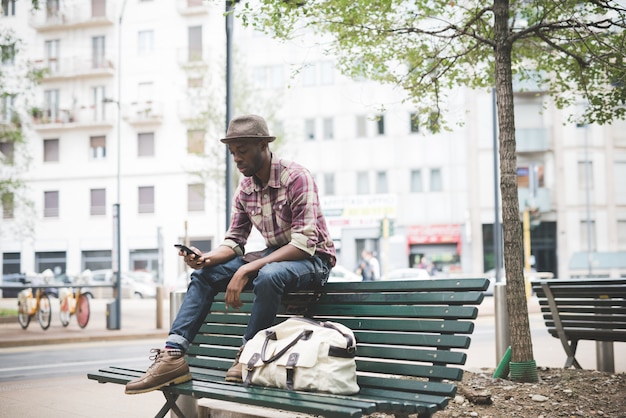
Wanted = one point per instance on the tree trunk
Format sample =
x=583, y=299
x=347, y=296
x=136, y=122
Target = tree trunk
x=521, y=343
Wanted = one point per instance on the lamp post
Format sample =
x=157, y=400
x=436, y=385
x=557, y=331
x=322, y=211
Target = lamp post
x=229, y=101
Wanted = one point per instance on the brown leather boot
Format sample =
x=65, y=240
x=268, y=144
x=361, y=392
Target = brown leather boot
x=234, y=373
x=166, y=369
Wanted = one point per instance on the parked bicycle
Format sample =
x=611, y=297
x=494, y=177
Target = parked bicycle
x=73, y=304
x=29, y=306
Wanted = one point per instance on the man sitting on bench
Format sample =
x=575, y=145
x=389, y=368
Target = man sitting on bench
x=280, y=199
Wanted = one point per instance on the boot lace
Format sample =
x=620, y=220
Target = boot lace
x=155, y=357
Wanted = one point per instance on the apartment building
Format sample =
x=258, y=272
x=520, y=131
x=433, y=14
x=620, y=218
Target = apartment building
x=131, y=106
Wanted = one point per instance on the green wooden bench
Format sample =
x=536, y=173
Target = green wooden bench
x=583, y=309
x=408, y=336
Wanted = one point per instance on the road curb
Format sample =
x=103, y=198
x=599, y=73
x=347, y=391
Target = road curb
x=81, y=339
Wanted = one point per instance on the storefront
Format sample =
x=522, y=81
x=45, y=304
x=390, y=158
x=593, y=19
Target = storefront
x=439, y=245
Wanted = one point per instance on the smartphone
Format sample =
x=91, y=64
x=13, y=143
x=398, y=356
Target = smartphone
x=186, y=249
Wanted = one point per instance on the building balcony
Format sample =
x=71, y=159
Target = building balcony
x=57, y=69
x=192, y=7
x=82, y=15
x=84, y=117
x=532, y=140
x=191, y=59
x=144, y=113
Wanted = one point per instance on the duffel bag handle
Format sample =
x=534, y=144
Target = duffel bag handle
x=305, y=334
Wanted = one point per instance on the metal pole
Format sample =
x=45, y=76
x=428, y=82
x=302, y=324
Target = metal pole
x=496, y=194
x=118, y=302
x=503, y=336
x=229, y=104
x=588, y=201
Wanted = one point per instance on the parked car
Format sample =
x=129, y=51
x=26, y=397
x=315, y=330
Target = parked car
x=408, y=274
x=18, y=280
x=136, y=285
x=342, y=274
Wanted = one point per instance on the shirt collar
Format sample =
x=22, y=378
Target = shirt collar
x=252, y=184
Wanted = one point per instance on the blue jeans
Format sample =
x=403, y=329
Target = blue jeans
x=272, y=282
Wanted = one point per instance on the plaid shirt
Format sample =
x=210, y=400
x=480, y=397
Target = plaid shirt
x=286, y=211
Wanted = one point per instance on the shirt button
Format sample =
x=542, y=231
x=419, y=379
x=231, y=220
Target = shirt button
x=265, y=195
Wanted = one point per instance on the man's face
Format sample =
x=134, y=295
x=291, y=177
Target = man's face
x=247, y=155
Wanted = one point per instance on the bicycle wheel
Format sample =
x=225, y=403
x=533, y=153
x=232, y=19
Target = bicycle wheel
x=22, y=315
x=82, y=311
x=64, y=312
x=45, y=311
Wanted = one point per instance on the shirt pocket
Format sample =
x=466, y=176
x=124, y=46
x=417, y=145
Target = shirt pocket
x=282, y=211
x=255, y=212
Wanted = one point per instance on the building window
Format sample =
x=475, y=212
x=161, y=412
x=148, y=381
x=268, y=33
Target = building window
x=98, y=52
x=52, y=55
x=7, y=104
x=621, y=235
x=416, y=181
x=195, y=141
x=51, y=204
x=7, y=151
x=435, y=180
x=329, y=128
x=278, y=77
x=145, y=144
x=195, y=82
x=97, y=260
x=380, y=124
x=146, y=199
x=99, y=95
x=50, y=150
x=8, y=54
x=145, y=42
x=98, y=201
x=329, y=184
x=308, y=75
x=327, y=69
x=98, y=8
x=194, y=39
x=588, y=229
x=8, y=8
x=11, y=263
x=55, y=261
x=195, y=197
x=97, y=147
x=361, y=126
x=414, y=126
x=362, y=182
x=51, y=103
x=585, y=175
x=8, y=205
x=309, y=129
x=381, y=182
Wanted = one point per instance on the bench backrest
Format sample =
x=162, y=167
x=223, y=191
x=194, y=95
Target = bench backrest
x=403, y=329
x=588, y=308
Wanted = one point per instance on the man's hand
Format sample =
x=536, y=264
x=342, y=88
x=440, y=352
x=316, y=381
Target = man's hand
x=236, y=285
x=194, y=261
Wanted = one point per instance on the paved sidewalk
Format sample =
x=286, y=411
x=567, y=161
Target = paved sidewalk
x=76, y=396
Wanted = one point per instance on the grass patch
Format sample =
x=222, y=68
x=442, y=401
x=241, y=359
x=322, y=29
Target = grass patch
x=7, y=312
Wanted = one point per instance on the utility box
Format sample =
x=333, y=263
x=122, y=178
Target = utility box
x=111, y=313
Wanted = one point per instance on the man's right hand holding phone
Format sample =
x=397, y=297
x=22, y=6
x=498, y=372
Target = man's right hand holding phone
x=193, y=257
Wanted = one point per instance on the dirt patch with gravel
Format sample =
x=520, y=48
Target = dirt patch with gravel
x=567, y=393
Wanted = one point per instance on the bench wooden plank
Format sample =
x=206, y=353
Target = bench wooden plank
x=407, y=333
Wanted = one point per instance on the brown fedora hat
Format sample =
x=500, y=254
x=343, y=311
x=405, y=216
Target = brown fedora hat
x=247, y=127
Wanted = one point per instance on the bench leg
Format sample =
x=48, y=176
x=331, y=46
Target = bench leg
x=571, y=352
x=170, y=404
